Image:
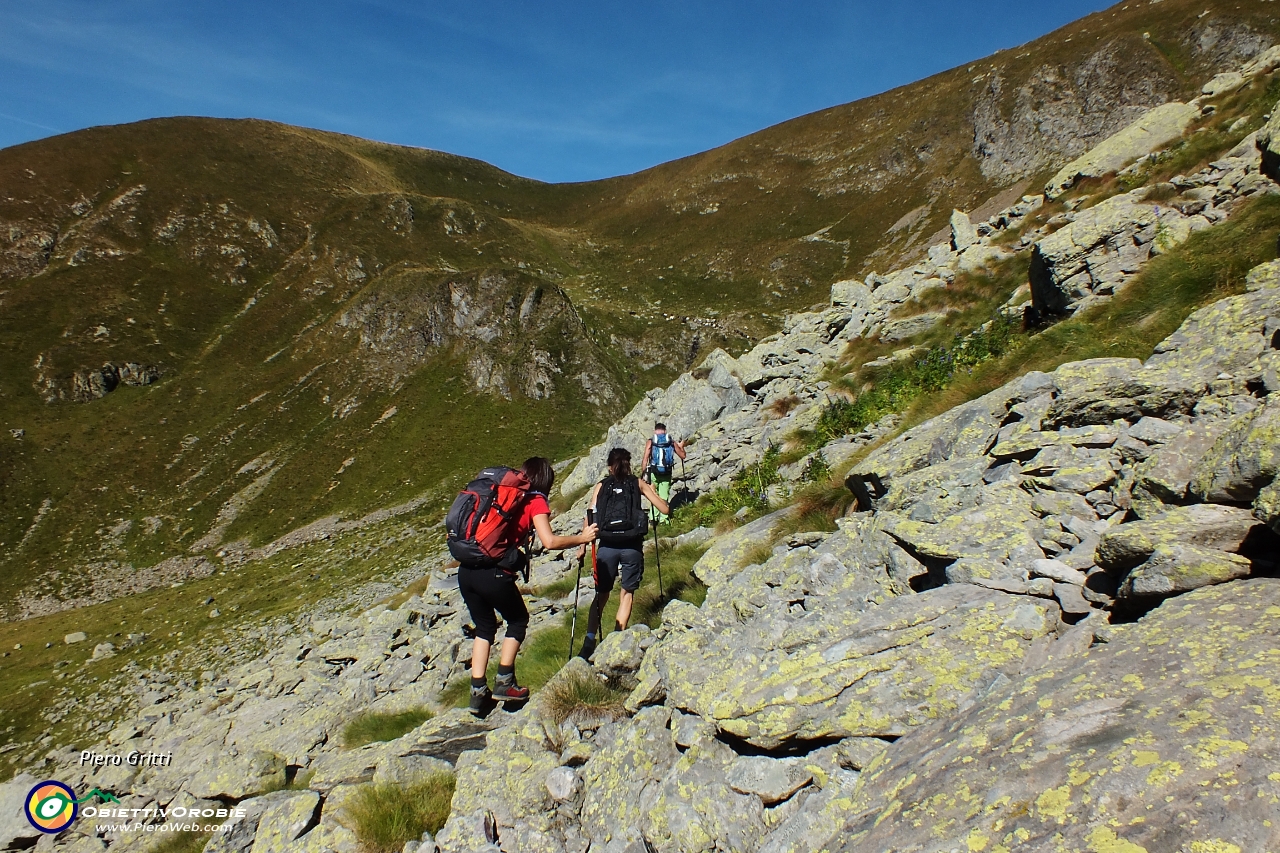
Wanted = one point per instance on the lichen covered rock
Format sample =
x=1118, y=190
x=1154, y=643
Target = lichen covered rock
x=1173, y=569
x=842, y=672
x=1114, y=750
x=1155, y=128
x=1220, y=528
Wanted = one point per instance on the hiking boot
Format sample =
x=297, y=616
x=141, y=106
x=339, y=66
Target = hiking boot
x=480, y=698
x=506, y=689
x=588, y=648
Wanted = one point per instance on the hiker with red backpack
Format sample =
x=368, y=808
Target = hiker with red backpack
x=490, y=527
x=622, y=523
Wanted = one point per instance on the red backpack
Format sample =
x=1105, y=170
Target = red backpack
x=483, y=524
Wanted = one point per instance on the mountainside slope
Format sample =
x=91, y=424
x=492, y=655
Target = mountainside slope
x=298, y=324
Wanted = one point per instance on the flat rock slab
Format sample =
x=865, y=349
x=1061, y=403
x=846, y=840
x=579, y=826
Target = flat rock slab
x=1157, y=127
x=844, y=672
x=234, y=777
x=1113, y=750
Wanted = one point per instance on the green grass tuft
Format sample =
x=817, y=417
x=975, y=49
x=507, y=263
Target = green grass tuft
x=386, y=816
x=749, y=490
x=374, y=726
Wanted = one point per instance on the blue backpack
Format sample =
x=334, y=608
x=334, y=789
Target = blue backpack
x=663, y=453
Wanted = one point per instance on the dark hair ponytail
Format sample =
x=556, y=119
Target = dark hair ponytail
x=540, y=473
x=619, y=463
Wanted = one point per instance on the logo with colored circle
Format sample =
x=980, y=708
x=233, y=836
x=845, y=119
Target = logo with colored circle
x=51, y=806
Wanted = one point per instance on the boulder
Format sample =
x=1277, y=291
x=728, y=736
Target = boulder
x=773, y=780
x=963, y=234
x=235, y=775
x=1227, y=336
x=1220, y=528
x=239, y=835
x=16, y=832
x=348, y=767
x=521, y=755
x=1173, y=568
x=1263, y=276
x=1269, y=145
x=630, y=759
x=694, y=807
x=622, y=652
x=1244, y=459
x=1093, y=254
x=1267, y=507
x=1058, y=571
x=1113, y=750
x=978, y=257
x=284, y=821
x=1221, y=84
x=849, y=294
x=908, y=327
x=1263, y=63
x=1103, y=390
x=1165, y=475
x=726, y=555
x=996, y=530
x=1156, y=128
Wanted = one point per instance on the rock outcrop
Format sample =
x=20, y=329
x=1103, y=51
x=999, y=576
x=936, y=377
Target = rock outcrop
x=1133, y=745
x=1157, y=128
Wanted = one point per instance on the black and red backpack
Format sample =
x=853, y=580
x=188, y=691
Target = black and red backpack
x=483, y=524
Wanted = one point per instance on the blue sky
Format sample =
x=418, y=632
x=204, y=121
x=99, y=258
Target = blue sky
x=557, y=91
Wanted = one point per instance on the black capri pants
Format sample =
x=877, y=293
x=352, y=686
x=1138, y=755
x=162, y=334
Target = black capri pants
x=487, y=590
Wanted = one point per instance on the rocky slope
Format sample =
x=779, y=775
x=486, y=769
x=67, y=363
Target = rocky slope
x=1057, y=627
x=215, y=295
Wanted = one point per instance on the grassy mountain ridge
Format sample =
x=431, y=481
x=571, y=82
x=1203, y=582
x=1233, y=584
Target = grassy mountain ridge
x=340, y=325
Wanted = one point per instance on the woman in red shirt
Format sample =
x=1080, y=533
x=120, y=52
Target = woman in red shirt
x=486, y=590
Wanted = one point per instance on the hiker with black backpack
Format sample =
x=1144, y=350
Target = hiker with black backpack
x=660, y=454
x=622, y=524
x=490, y=527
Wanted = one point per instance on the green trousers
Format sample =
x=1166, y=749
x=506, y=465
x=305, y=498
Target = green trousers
x=662, y=483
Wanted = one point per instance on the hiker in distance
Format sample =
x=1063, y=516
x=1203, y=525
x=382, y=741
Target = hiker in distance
x=622, y=523
x=660, y=453
x=490, y=527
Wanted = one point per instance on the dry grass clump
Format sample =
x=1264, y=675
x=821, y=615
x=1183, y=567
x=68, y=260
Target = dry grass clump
x=580, y=695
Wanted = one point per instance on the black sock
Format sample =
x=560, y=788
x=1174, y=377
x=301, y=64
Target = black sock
x=506, y=670
x=479, y=682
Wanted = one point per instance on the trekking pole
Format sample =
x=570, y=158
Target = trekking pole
x=577, y=582
x=657, y=558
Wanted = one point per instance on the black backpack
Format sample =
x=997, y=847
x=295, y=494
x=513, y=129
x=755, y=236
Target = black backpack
x=619, y=515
